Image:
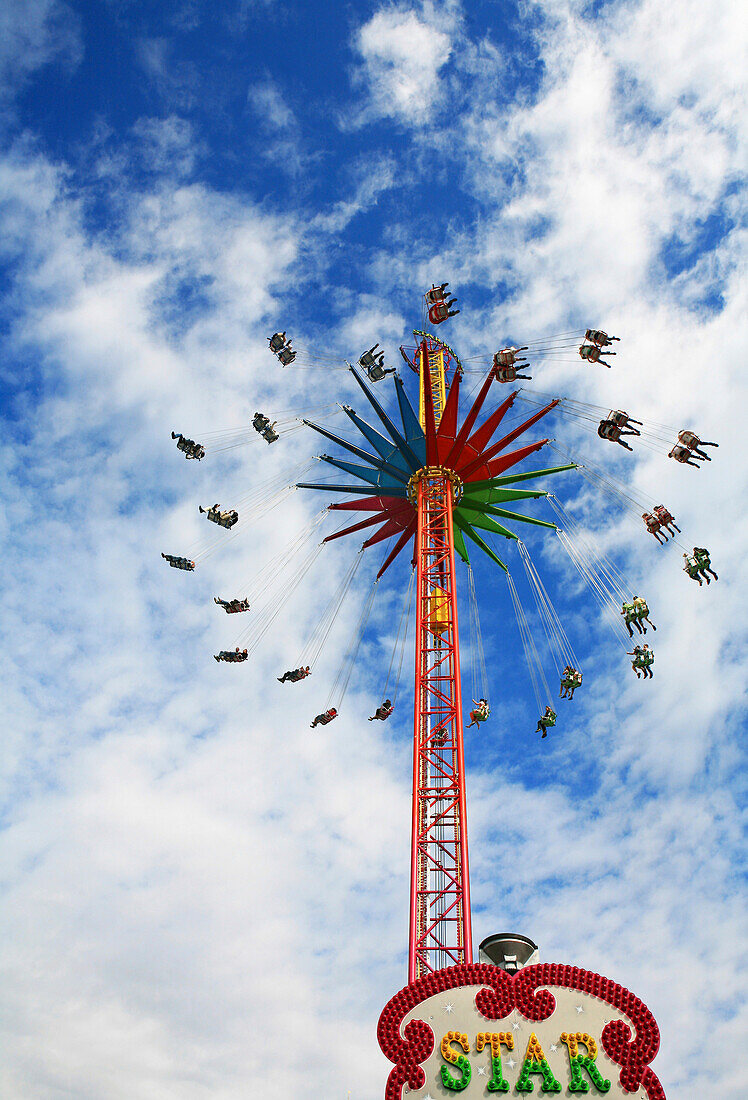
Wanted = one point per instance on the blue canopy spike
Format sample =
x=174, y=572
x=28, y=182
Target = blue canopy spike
x=400, y=441
x=401, y=491
x=378, y=463
x=385, y=447
x=375, y=477
x=411, y=425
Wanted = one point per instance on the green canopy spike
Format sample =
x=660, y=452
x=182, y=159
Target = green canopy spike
x=476, y=519
x=459, y=541
x=496, y=496
x=487, y=509
x=511, y=478
x=471, y=534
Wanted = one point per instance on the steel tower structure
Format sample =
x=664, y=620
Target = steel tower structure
x=436, y=485
x=440, y=931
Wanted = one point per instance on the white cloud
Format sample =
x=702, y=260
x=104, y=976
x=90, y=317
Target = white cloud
x=34, y=33
x=403, y=51
x=187, y=866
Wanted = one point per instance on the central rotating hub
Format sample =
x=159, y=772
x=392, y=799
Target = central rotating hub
x=428, y=473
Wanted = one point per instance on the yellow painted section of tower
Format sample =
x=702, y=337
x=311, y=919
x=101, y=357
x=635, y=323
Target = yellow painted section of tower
x=438, y=387
x=438, y=610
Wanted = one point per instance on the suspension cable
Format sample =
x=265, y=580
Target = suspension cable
x=340, y=684
x=558, y=642
x=316, y=642
x=477, y=654
x=400, y=638
x=535, y=668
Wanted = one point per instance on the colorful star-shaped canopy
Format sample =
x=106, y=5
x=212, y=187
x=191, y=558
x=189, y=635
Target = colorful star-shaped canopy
x=435, y=441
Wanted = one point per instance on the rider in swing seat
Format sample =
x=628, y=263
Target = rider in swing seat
x=591, y=353
x=294, y=675
x=480, y=714
x=546, y=721
x=600, y=338
x=382, y=713
x=642, y=612
x=323, y=719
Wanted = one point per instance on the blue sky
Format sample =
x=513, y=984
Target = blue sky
x=173, y=187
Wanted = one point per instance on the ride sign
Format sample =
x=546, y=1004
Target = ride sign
x=477, y=1029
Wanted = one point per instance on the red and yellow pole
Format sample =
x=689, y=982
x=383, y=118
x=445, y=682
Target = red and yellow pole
x=440, y=927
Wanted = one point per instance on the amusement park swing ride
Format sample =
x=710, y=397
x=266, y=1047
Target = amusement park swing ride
x=437, y=483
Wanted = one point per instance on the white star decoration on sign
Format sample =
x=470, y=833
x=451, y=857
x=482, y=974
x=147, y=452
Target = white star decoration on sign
x=511, y=1063
x=481, y=1071
x=515, y=1027
x=449, y=1007
x=554, y=1048
x=580, y=1008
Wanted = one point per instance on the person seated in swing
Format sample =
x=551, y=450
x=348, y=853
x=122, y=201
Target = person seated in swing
x=546, y=721
x=294, y=675
x=231, y=656
x=480, y=714
x=509, y=357
x=382, y=713
x=179, y=563
x=631, y=618
x=699, y=565
x=287, y=354
x=260, y=422
x=189, y=447
x=683, y=455
x=576, y=681
x=591, y=354
x=666, y=519
x=436, y=294
x=509, y=374
x=505, y=363
x=623, y=420
x=215, y=515
x=441, y=310
x=608, y=430
x=642, y=612
x=693, y=443
x=570, y=681
x=232, y=607
x=270, y=435
x=277, y=341
x=374, y=365
x=643, y=660
x=654, y=526
x=692, y=568
x=323, y=719
x=600, y=338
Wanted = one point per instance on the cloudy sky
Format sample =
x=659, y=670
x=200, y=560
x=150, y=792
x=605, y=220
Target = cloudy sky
x=198, y=893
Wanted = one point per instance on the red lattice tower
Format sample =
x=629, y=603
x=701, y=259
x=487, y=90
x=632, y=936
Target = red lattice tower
x=440, y=930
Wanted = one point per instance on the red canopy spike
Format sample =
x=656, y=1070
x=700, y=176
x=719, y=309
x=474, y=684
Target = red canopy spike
x=500, y=464
x=482, y=437
x=470, y=419
x=447, y=429
x=409, y=530
x=371, y=504
x=357, y=526
x=485, y=458
x=391, y=527
x=432, y=452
